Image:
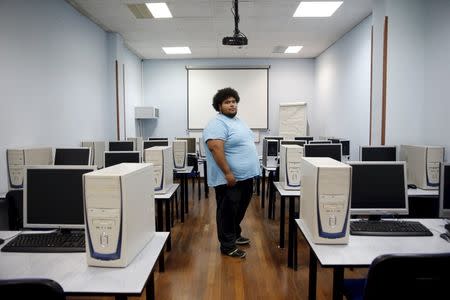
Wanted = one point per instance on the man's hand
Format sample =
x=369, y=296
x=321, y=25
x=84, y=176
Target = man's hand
x=231, y=181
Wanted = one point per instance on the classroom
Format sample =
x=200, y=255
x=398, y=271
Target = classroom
x=373, y=74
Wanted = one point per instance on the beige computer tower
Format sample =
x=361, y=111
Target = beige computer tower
x=161, y=159
x=119, y=213
x=18, y=158
x=290, y=158
x=137, y=145
x=97, y=150
x=422, y=163
x=325, y=199
x=180, y=151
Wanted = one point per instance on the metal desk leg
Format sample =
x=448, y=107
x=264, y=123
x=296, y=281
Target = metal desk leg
x=269, y=190
x=182, y=200
x=282, y=219
x=171, y=200
x=258, y=185
x=205, y=179
x=159, y=219
x=167, y=216
x=338, y=281
x=263, y=187
x=186, y=193
x=312, y=275
x=291, y=232
x=161, y=261
x=150, y=287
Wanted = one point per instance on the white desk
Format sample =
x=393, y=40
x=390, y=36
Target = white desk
x=362, y=250
x=167, y=198
x=71, y=271
x=271, y=171
x=184, y=189
x=422, y=193
x=292, y=194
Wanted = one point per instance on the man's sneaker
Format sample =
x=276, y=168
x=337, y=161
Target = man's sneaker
x=236, y=253
x=242, y=241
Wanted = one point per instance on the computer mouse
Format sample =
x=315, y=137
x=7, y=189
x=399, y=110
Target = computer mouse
x=445, y=236
x=447, y=226
x=412, y=186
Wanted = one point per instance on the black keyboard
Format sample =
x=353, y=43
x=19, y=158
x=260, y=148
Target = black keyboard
x=389, y=228
x=47, y=242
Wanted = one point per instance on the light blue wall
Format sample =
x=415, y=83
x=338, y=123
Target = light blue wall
x=436, y=121
x=342, y=100
x=165, y=86
x=53, y=78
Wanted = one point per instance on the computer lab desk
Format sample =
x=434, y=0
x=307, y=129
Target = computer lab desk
x=183, y=173
x=167, y=199
x=362, y=250
x=71, y=271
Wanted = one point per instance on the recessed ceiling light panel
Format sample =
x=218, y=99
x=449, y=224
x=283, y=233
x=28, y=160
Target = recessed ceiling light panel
x=159, y=10
x=317, y=9
x=293, y=49
x=177, y=50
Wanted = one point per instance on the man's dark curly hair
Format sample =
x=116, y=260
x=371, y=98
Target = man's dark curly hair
x=223, y=95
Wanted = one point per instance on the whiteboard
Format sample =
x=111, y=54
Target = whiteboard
x=293, y=119
x=251, y=85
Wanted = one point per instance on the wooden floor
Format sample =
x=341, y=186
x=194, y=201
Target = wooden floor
x=195, y=269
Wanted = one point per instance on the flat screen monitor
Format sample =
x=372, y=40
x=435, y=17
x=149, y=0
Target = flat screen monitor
x=154, y=143
x=379, y=188
x=304, y=138
x=158, y=139
x=444, y=192
x=191, y=144
x=345, y=145
x=293, y=142
x=319, y=142
x=73, y=156
x=333, y=151
x=117, y=157
x=378, y=153
x=272, y=148
x=53, y=196
x=121, y=146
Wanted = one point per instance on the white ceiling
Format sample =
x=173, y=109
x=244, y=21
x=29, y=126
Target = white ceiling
x=201, y=25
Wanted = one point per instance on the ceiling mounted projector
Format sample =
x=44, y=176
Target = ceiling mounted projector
x=238, y=38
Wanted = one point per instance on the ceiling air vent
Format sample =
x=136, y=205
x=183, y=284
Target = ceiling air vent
x=140, y=11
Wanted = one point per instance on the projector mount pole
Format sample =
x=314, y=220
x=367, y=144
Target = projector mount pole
x=236, y=17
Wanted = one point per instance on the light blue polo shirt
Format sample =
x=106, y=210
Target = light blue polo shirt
x=240, y=150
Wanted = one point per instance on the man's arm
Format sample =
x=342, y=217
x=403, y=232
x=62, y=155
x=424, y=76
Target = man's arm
x=217, y=150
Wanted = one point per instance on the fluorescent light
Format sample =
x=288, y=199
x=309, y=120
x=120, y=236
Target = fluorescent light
x=317, y=9
x=293, y=49
x=177, y=50
x=159, y=10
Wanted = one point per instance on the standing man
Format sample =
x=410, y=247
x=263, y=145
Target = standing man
x=232, y=164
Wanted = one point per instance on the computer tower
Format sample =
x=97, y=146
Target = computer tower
x=16, y=159
x=325, y=199
x=179, y=148
x=290, y=157
x=422, y=163
x=97, y=150
x=119, y=213
x=201, y=147
x=161, y=159
x=270, y=153
x=137, y=142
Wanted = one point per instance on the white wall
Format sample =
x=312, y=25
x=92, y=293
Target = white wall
x=418, y=71
x=133, y=89
x=342, y=101
x=436, y=121
x=53, y=78
x=165, y=86
x=405, y=73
